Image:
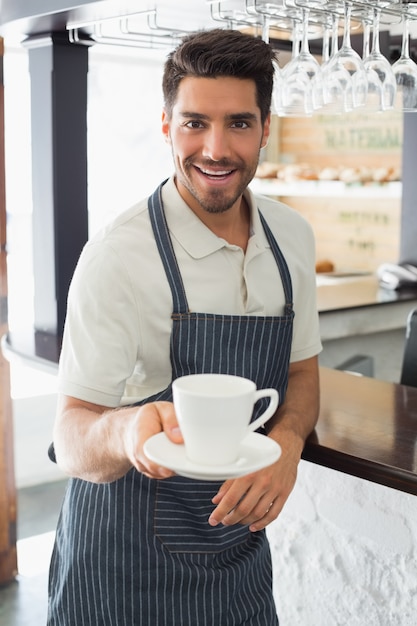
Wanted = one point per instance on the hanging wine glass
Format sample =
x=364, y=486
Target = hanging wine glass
x=354, y=81
x=279, y=73
x=302, y=85
x=381, y=80
x=337, y=83
x=405, y=72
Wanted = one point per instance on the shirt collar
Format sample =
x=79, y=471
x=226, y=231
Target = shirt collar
x=194, y=236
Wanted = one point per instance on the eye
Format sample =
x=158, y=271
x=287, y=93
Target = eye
x=194, y=124
x=240, y=124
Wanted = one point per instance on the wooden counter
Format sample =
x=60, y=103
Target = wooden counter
x=367, y=428
x=357, y=305
x=338, y=292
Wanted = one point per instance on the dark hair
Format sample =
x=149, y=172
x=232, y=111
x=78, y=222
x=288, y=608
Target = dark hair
x=221, y=52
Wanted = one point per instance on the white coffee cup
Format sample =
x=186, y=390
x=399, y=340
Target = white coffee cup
x=214, y=413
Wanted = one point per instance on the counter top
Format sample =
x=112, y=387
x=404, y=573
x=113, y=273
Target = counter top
x=35, y=349
x=357, y=305
x=337, y=292
x=367, y=428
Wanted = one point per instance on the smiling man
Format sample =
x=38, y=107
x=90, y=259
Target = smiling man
x=201, y=277
x=216, y=133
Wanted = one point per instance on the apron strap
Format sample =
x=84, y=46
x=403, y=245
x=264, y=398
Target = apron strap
x=169, y=260
x=281, y=262
x=166, y=251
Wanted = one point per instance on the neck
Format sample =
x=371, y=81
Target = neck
x=232, y=225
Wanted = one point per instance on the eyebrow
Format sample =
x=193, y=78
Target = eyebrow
x=233, y=117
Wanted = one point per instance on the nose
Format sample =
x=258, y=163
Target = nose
x=216, y=144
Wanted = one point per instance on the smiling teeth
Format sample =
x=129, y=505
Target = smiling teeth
x=216, y=173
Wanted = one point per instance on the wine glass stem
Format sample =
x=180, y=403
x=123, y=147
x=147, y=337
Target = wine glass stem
x=405, y=51
x=335, y=35
x=326, y=44
x=375, y=33
x=346, y=33
x=366, y=35
x=304, y=41
x=296, y=39
x=265, y=29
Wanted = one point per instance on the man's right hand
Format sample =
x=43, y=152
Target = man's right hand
x=151, y=419
x=100, y=444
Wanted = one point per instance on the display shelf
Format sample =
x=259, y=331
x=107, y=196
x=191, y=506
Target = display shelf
x=330, y=189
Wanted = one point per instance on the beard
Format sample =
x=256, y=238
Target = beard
x=212, y=200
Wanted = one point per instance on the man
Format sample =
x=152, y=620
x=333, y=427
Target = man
x=203, y=277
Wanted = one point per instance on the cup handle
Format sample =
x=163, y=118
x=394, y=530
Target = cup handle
x=269, y=411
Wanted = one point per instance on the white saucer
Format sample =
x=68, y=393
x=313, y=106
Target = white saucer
x=256, y=451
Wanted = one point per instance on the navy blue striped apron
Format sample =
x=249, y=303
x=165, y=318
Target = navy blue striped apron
x=141, y=552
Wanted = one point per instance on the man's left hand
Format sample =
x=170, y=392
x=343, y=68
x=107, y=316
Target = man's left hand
x=256, y=499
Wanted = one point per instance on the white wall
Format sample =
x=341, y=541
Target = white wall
x=127, y=154
x=345, y=553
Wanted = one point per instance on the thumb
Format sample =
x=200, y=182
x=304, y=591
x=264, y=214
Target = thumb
x=169, y=421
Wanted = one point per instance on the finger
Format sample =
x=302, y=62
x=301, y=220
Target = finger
x=251, y=509
x=151, y=469
x=271, y=513
x=169, y=424
x=169, y=421
x=152, y=419
x=155, y=471
x=258, y=489
x=235, y=504
x=222, y=491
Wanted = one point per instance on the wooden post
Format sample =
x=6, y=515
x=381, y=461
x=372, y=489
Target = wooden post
x=8, y=557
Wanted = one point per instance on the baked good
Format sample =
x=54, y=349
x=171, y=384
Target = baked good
x=324, y=266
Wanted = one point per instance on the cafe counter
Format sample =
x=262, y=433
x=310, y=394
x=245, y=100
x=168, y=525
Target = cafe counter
x=367, y=428
x=362, y=325
x=353, y=303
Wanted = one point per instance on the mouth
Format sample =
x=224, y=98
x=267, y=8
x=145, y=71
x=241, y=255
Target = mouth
x=215, y=175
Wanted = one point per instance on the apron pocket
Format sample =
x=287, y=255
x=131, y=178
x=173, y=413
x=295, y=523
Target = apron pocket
x=182, y=509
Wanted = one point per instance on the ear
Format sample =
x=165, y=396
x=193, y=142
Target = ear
x=165, y=126
x=266, y=131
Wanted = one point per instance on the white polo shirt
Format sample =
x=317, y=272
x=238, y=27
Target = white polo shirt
x=117, y=332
